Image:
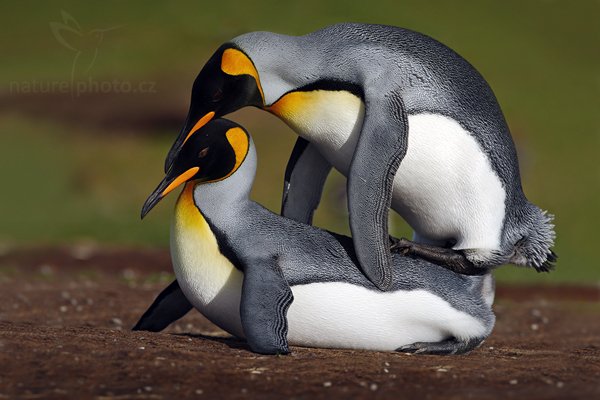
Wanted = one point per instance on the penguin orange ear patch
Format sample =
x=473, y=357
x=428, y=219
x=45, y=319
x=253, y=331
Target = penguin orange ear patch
x=234, y=62
x=239, y=142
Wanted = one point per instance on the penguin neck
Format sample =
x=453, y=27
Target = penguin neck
x=219, y=201
x=207, y=277
x=273, y=54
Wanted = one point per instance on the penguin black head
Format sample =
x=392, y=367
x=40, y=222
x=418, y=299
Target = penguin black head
x=226, y=83
x=212, y=153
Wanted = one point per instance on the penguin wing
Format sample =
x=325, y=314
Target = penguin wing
x=266, y=297
x=305, y=176
x=381, y=147
x=170, y=305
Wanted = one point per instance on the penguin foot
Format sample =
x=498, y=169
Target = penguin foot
x=402, y=245
x=451, y=259
x=446, y=347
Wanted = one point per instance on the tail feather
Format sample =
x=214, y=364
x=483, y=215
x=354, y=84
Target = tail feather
x=534, y=249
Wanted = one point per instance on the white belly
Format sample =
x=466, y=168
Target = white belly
x=342, y=315
x=208, y=279
x=328, y=314
x=338, y=315
x=445, y=187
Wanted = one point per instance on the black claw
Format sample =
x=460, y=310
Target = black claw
x=407, y=349
x=400, y=245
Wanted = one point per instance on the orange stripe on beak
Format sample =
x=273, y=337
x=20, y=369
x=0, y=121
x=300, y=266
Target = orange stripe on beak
x=187, y=175
x=201, y=122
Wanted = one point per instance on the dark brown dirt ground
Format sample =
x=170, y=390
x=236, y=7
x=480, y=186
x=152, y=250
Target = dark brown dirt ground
x=65, y=316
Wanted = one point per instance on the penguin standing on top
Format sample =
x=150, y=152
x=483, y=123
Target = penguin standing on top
x=276, y=281
x=409, y=122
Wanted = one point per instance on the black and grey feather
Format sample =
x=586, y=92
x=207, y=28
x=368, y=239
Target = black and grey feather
x=411, y=124
x=274, y=280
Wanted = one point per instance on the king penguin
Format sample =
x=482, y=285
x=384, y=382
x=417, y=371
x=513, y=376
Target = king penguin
x=274, y=281
x=408, y=121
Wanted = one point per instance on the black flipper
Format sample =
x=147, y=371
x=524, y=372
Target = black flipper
x=170, y=305
x=266, y=297
x=381, y=147
x=305, y=176
x=445, y=347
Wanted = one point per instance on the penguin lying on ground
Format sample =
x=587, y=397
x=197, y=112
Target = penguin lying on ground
x=243, y=266
x=407, y=120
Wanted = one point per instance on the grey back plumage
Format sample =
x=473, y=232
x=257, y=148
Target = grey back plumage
x=429, y=76
x=424, y=76
x=246, y=231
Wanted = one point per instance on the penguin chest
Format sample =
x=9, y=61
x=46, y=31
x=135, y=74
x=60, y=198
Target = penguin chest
x=331, y=120
x=208, y=279
x=445, y=187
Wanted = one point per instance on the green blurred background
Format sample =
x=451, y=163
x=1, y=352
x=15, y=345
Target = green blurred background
x=93, y=94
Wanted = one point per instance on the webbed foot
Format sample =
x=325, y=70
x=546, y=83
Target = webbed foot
x=445, y=347
x=454, y=260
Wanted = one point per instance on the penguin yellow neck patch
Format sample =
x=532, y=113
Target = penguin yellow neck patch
x=186, y=211
x=313, y=112
x=234, y=62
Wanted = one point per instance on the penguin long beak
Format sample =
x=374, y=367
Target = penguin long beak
x=166, y=186
x=184, y=135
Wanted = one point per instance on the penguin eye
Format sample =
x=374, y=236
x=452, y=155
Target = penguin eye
x=203, y=152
